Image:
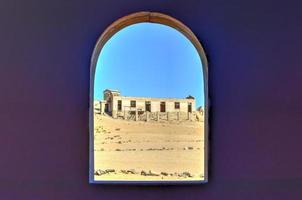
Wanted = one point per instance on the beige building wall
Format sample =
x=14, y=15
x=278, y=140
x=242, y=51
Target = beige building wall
x=111, y=98
x=155, y=104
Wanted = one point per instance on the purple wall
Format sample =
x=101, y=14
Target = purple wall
x=255, y=83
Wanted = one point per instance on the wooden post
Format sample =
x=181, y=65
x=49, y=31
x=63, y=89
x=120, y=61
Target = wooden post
x=136, y=115
x=157, y=113
x=168, y=116
x=178, y=115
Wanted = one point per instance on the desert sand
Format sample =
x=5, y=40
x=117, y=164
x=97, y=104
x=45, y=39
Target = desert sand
x=137, y=150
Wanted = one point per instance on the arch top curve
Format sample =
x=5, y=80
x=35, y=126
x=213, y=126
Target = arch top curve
x=151, y=17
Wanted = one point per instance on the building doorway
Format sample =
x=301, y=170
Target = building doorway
x=106, y=108
x=162, y=106
x=148, y=106
x=190, y=107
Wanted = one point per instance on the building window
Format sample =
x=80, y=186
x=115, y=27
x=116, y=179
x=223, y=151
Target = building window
x=132, y=104
x=176, y=105
x=119, y=105
x=148, y=106
x=189, y=107
x=162, y=106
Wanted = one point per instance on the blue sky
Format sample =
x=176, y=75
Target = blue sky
x=150, y=60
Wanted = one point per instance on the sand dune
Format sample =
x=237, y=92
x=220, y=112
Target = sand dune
x=130, y=150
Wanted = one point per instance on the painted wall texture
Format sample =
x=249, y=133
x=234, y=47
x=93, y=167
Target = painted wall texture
x=255, y=77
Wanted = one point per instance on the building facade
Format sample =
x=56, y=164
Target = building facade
x=144, y=108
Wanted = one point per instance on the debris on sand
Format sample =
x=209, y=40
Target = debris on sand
x=164, y=173
x=129, y=171
x=132, y=171
x=99, y=172
x=109, y=170
x=159, y=149
x=117, y=129
x=153, y=173
x=118, y=150
x=186, y=174
x=150, y=173
x=146, y=173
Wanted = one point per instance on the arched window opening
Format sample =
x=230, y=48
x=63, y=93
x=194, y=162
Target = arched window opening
x=148, y=97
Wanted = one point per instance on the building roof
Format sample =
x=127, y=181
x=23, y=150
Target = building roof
x=155, y=99
x=111, y=90
x=190, y=97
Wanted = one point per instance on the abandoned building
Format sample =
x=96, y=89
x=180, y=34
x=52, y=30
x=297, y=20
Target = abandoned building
x=147, y=108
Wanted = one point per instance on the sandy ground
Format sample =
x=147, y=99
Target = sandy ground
x=130, y=150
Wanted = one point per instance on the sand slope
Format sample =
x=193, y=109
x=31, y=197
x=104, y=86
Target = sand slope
x=130, y=150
